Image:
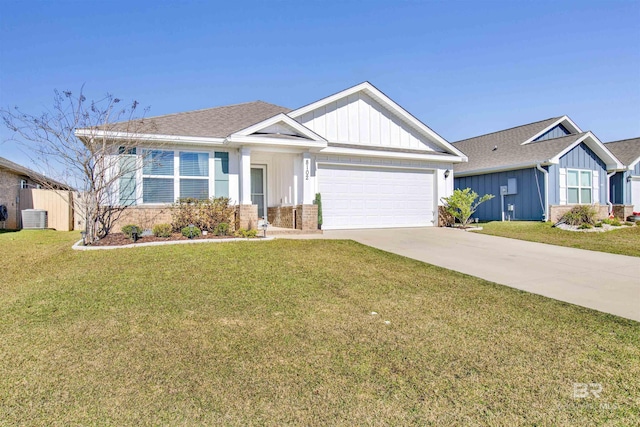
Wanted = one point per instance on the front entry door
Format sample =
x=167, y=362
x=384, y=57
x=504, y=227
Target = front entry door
x=259, y=189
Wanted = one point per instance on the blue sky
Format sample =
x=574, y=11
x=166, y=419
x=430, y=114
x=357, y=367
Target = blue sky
x=462, y=67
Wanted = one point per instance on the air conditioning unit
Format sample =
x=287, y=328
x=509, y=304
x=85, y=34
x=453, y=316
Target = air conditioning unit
x=34, y=218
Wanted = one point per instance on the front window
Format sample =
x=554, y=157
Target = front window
x=579, y=187
x=194, y=175
x=157, y=177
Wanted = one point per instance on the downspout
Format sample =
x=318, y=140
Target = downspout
x=609, y=175
x=546, y=191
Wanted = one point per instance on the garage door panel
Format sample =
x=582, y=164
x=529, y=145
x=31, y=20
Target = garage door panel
x=370, y=197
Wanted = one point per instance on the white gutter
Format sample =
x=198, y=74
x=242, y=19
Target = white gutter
x=546, y=191
x=609, y=175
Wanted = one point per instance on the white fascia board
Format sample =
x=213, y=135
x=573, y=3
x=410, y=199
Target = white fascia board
x=388, y=103
x=494, y=169
x=144, y=137
x=392, y=154
x=280, y=118
x=564, y=120
x=633, y=164
x=597, y=146
x=238, y=140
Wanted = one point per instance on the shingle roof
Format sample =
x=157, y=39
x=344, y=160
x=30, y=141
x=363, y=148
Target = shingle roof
x=21, y=170
x=217, y=122
x=504, y=148
x=626, y=150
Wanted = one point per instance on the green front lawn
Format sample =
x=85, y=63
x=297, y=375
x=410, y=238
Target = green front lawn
x=625, y=241
x=282, y=332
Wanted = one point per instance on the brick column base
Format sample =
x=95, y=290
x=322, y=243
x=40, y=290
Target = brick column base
x=622, y=212
x=557, y=211
x=248, y=216
x=307, y=217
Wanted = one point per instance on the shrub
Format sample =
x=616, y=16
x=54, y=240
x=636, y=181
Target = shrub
x=578, y=215
x=462, y=204
x=162, y=230
x=248, y=234
x=189, y=232
x=318, y=201
x=127, y=230
x=222, y=229
x=612, y=221
x=598, y=224
x=585, y=226
x=630, y=223
x=205, y=214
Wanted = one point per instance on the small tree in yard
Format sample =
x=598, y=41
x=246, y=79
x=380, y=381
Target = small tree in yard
x=89, y=145
x=462, y=204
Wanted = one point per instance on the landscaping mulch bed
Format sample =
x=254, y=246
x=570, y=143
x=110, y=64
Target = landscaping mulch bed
x=120, y=239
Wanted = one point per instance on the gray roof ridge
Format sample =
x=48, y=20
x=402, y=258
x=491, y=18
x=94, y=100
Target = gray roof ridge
x=622, y=140
x=213, y=108
x=504, y=130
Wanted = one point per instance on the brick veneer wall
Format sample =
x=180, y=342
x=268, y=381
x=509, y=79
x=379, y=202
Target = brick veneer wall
x=557, y=211
x=307, y=217
x=143, y=216
x=622, y=212
x=248, y=215
x=9, y=191
x=281, y=216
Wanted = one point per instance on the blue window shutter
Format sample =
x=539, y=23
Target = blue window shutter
x=221, y=174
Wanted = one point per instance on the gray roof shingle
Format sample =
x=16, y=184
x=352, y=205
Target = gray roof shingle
x=504, y=148
x=217, y=122
x=626, y=150
x=38, y=177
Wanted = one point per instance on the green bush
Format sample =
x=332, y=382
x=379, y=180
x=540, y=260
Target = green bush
x=462, y=204
x=630, y=223
x=578, y=215
x=205, y=214
x=612, y=221
x=598, y=224
x=162, y=230
x=127, y=230
x=222, y=229
x=188, y=232
x=318, y=201
x=585, y=226
x=248, y=234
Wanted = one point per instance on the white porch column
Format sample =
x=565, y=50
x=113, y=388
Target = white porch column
x=307, y=180
x=245, y=176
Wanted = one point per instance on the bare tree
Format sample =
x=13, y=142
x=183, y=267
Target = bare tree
x=89, y=145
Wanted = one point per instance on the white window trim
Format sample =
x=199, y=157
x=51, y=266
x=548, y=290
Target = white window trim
x=580, y=187
x=140, y=175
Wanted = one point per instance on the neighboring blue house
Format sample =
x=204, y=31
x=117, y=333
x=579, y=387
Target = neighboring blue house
x=537, y=171
x=625, y=184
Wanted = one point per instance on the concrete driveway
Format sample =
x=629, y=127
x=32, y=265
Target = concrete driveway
x=602, y=281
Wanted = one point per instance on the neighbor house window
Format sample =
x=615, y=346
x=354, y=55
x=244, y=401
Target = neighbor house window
x=579, y=186
x=157, y=177
x=194, y=175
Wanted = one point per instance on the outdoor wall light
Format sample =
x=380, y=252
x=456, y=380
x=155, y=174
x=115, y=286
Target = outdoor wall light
x=447, y=173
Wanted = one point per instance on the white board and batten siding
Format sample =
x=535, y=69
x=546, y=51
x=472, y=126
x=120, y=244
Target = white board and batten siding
x=358, y=119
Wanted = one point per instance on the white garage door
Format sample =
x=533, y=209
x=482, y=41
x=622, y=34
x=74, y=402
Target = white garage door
x=635, y=194
x=369, y=197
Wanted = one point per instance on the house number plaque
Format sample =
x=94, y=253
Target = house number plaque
x=306, y=170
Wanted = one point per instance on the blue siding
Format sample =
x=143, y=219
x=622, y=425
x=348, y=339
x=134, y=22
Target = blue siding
x=582, y=157
x=620, y=194
x=555, y=132
x=621, y=188
x=554, y=184
x=527, y=201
